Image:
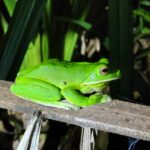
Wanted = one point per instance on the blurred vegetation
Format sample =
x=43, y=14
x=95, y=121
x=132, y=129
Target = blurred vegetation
x=74, y=30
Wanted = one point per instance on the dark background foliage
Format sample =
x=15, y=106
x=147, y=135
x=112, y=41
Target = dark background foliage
x=33, y=31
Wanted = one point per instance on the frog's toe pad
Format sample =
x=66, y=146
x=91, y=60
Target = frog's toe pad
x=106, y=99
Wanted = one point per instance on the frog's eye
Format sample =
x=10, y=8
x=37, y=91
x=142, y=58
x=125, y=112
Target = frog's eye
x=104, y=70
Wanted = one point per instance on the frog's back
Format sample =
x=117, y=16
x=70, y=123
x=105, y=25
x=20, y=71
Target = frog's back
x=59, y=73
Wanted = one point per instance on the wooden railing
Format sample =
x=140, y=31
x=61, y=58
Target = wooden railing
x=118, y=117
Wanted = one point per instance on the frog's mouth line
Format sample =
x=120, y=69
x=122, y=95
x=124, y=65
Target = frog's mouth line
x=96, y=82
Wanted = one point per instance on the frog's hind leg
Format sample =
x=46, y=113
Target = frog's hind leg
x=36, y=91
x=40, y=92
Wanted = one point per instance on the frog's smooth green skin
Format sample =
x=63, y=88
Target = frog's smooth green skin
x=80, y=83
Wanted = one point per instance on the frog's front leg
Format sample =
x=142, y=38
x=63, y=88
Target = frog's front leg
x=77, y=98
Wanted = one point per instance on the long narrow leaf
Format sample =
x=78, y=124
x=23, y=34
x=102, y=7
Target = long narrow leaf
x=70, y=43
x=33, y=54
x=120, y=28
x=21, y=30
x=10, y=5
x=81, y=23
x=79, y=12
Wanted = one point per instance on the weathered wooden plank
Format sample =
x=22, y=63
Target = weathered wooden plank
x=118, y=117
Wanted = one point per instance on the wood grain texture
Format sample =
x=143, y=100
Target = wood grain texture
x=118, y=117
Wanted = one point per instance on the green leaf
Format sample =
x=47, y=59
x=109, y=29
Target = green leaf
x=4, y=24
x=80, y=23
x=45, y=47
x=145, y=3
x=142, y=13
x=70, y=42
x=10, y=5
x=120, y=38
x=142, y=54
x=33, y=54
x=145, y=31
x=20, y=32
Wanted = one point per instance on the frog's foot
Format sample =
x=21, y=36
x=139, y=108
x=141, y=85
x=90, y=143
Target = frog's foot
x=105, y=99
x=77, y=98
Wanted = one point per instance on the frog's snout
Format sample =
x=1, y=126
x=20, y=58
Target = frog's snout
x=116, y=74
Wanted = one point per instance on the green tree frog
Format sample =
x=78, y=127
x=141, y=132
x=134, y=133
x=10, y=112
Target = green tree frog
x=80, y=83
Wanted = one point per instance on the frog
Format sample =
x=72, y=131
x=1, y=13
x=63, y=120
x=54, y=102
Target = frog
x=64, y=84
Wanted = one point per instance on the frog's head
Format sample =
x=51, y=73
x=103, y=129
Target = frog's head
x=101, y=73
